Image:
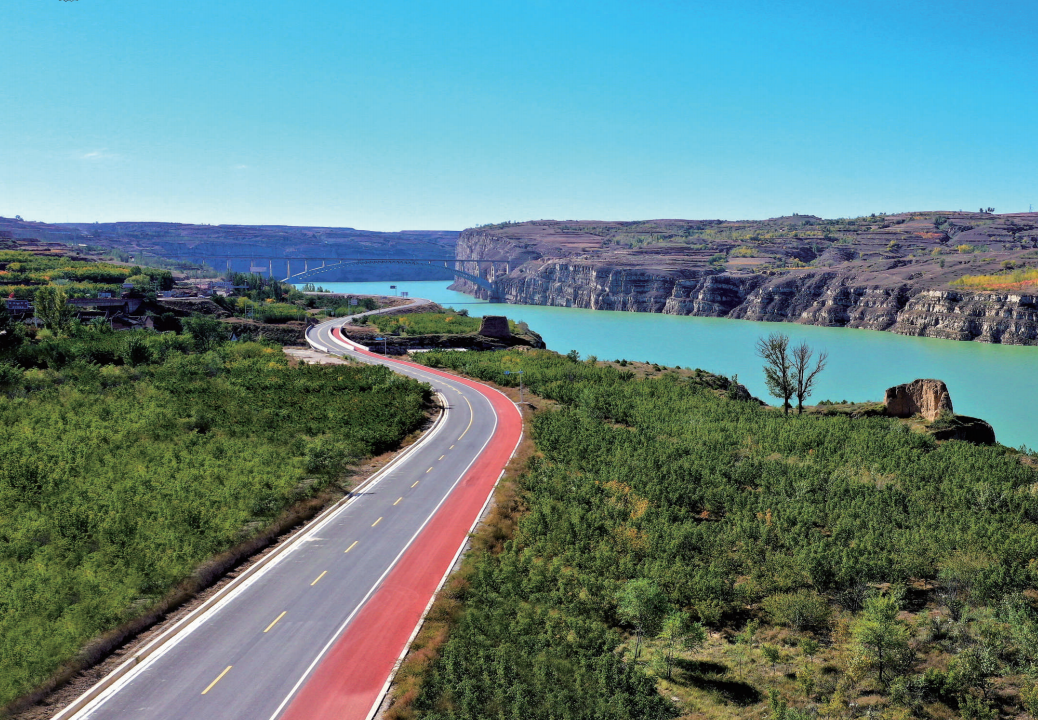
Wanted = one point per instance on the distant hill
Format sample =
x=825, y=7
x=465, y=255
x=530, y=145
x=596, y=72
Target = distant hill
x=277, y=245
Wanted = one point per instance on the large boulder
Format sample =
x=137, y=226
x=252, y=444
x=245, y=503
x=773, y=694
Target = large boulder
x=965, y=428
x=495, y=326
x=928, y=398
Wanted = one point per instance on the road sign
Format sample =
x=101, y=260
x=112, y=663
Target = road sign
x=353, y=301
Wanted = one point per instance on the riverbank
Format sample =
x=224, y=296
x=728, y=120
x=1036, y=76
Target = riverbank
x=948, y=275
x=994, y=382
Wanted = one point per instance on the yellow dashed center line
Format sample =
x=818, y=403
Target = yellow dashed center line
x=351, y=546
x=429, y=470
x=318, y=578
x=376, y=522
x=275, y=621
x=218, y=677
x=442, y=457
x=451, y=447
x=415, y=483
x=471, y=416
x=398, y=500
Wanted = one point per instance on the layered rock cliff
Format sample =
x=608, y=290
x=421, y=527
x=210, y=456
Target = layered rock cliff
x=890, y=289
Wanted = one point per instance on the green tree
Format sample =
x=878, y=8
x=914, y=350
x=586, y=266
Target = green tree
x=778, y=367
x=162, y=278
x=732, y=393
x=800, y=610
x=972, y=707
x=135, y=350
x=99, y=325
x=975, y=666
x=678, y=632
x=771, y=654
x=140, y=282
x=9, y=336
x=777, y=705
x=10, y=376
x=1029, y=696
x=642, y=604
x=880, y=640
x=51, y=304
x=207, y=331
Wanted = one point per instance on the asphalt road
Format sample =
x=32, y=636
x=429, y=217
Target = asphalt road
x=253, y=656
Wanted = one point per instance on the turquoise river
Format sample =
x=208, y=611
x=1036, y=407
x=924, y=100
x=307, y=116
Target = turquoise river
x=995, y=382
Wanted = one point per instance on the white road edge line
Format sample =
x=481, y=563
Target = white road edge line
x=374, y=587
x=450, y=569
x=100, y=692
x=414, y=633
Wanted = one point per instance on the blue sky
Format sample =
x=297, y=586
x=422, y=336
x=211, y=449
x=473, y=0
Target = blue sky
x=423, y=115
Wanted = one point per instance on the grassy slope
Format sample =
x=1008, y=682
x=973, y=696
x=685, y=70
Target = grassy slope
x=732, y=510
x=442, y=323
x=117, y=481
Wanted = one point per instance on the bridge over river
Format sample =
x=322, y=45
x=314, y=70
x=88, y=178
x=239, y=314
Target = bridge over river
x=307, y=269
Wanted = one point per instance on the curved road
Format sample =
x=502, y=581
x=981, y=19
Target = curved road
x=316, y=633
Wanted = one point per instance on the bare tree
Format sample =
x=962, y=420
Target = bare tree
x=803, y=376
x=778, y=375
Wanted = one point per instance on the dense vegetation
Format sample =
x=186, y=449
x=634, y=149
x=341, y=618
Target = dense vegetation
x=272, y=301
x=448, y=322
x=129, y=458
x=882, y=571
x=21, y=273
x=1010, y=279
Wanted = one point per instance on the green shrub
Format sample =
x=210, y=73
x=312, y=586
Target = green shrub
x=445, y=323
x=135, y=350
x=801, y=610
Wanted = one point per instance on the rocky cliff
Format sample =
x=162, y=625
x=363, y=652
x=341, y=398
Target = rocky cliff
x=900, y=283
x=926, y=397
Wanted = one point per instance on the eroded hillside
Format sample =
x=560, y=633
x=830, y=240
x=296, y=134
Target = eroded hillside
x=956, y=275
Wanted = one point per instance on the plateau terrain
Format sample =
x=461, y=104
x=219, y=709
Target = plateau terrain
x=232, y=246
x=954, y=275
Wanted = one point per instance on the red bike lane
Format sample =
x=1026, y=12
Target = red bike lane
x=348, y=681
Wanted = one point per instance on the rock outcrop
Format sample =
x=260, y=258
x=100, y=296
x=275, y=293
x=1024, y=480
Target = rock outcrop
x=821, y=298
x=495, y=326
x=928, y=398
x=965, y=428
